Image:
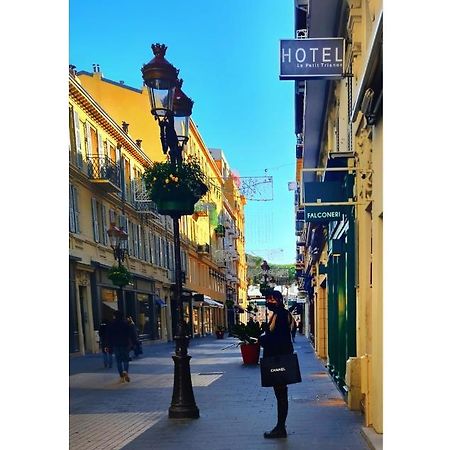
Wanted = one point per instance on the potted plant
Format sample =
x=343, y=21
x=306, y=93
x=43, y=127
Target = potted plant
x=248, y=341
x=220, y=230
x=175, y=188
x=220, y=331
x=119, y=275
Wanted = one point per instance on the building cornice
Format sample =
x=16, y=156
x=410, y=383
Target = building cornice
x=88, y=104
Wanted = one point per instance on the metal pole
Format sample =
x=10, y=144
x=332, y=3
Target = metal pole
x=183, y=401
x=121, y=296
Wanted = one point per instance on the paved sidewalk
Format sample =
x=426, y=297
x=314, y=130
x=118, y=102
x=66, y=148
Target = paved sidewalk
x=234, y=409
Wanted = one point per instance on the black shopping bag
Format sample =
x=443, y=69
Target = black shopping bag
x=280, y=370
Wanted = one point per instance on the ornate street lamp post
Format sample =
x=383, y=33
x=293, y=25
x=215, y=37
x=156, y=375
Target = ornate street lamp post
x=118, y=238
x=172, y=108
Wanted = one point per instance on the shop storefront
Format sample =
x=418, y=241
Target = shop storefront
x=333, y=224
x=141, y=302
x=201, y=313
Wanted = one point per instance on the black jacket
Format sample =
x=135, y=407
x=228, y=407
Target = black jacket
x=277, y=339
x=120, y=334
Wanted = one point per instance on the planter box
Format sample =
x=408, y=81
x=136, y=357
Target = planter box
x=250, y=353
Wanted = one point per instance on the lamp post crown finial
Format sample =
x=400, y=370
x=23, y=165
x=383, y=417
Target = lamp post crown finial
x=159, y=49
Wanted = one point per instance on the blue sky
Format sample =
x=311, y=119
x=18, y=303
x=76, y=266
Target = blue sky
x=227, y=53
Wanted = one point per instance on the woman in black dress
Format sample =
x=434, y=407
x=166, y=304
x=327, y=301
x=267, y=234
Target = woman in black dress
x=277, y=341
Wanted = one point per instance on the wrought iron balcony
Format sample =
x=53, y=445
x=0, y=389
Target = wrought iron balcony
x=104, y=172
x=141, y=199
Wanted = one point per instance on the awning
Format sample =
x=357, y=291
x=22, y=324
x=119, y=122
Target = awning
x=160, y=302
x=210, y=302
x=112, y=305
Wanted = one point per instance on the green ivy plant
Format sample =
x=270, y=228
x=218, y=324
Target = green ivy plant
x=220, y=230
x=119, y=275
x=165, y=180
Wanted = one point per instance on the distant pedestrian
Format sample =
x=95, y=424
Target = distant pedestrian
x=121, y=338
x=105, y=345
x=277, y=341
x=134, y=337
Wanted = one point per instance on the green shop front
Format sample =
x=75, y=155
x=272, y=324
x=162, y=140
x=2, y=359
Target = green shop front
x=330, y=213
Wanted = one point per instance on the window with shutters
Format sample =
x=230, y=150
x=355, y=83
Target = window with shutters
x=161, y=251
x=77, y=139
x=93, y=138
x=74, y=222
x=140, y=243
x=157, y=251
x=104, y=234
x=135, y=240
x=145, y=244
x=151, y=247
x=72, y=142
x=131, y=239
x=127, y=178
x=111, y=151
x=95, y=224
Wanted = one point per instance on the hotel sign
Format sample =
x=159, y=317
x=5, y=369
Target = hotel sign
x=311, y=58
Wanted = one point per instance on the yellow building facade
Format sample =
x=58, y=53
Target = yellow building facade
x=105, y=165
x=365, y=26
x=202, y=247
x=353, y=138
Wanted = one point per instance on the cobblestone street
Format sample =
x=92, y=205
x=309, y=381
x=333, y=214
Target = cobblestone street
x=234, y=409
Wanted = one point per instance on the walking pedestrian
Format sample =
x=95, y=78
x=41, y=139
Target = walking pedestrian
x=277, y=341
x=105, y=345
x=121, y=338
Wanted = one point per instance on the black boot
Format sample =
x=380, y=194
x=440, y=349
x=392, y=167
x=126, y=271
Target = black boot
x=276, y=433
x=282, y=410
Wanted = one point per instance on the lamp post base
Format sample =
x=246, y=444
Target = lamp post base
x=183, y=403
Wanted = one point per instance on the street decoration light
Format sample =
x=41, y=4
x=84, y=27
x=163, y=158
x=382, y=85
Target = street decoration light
x=119, y=275
x=172, y=108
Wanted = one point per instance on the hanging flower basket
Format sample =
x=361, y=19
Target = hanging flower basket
x=176, y=188
x=119, y=275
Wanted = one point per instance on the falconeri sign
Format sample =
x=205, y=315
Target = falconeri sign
x=311, y=58
x=323, y=213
